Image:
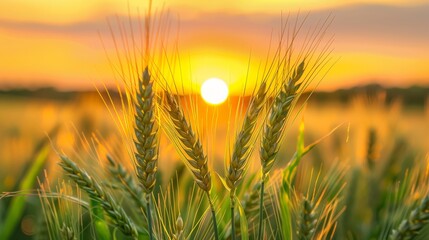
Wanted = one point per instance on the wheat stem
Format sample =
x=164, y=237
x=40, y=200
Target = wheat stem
x=213, y=217
x=149, y=216
x=261, y=211
x=232, y=218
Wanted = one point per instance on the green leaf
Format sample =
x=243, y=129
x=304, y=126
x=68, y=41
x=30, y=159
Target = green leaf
x=223, y=181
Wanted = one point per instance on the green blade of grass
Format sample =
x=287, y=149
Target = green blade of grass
x=286, y=218
x=100, y=225
x=17, y=205
x=301, y=150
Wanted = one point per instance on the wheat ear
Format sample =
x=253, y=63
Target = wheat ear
x=192, y=149
x=242, y=148
x=96, y=193
x=308, y=221
x=410, y=228
x=146, y=140
x=277, y=118
x=67, y=233
x=191, y=144
x=274, y=127
x=121, y=175
x=179, y=229
x=145, y=134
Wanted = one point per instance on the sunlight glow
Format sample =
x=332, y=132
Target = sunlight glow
x=214, y=91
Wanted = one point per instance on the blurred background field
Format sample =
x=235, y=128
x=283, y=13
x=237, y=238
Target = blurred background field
x=398, y=120
x=28, y=117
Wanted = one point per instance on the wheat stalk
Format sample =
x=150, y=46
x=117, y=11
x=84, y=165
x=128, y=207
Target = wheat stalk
x=410, y=228
x=274, y=129
x=242, y=148
x=191, y=147
x=146, y=154
x=96, y=193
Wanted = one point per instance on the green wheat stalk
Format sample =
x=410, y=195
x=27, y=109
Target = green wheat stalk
x=274, y=128
x=145, y=141
x=243, y=149
x=197, y=161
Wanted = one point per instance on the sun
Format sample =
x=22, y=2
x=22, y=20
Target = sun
x=214, y=91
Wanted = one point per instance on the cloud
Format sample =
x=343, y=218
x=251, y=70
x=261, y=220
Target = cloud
x=73, y=28
x=383, y=21
x=388, y=22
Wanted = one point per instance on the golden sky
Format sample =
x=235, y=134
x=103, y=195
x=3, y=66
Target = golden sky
x=57, y=43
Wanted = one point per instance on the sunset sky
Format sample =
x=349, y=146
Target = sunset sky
x=57, y=43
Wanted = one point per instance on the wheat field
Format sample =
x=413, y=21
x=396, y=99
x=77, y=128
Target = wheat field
x=151, y=160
